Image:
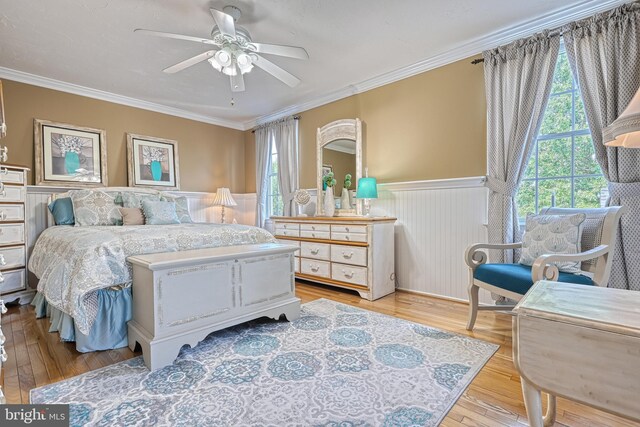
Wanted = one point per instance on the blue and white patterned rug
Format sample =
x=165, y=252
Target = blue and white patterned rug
x=336, y=366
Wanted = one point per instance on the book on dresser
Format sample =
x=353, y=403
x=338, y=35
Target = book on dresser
x=13, y=255
x=349, y=252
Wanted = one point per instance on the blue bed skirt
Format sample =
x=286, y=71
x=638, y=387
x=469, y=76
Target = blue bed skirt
x=109, y=330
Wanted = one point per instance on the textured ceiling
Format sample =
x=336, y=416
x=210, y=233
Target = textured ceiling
x=91, y=43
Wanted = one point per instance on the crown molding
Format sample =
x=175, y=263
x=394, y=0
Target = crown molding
x=32, y=79
x=473, y=47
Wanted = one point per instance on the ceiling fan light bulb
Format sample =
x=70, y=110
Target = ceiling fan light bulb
x=243, y=60
x=245, y=70
x=215, y=64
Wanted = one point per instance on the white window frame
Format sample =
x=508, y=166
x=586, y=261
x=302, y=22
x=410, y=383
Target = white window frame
x=573, y=134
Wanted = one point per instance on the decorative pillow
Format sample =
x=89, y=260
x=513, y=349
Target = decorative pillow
x=182, y=207
x=132, y=199
x=552, y=234
x=160, y=213
x=62, y=211
x=131, y=216
x=94, y=207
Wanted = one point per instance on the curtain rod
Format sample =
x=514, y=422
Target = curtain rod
x=554, y=32
x=298, y=117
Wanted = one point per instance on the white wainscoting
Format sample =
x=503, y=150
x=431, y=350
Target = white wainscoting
x=437, y=221
x=199, y=207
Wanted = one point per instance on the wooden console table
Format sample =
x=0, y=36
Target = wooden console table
x=578, y=342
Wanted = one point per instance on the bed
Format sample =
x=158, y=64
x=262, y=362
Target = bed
x=84, y=278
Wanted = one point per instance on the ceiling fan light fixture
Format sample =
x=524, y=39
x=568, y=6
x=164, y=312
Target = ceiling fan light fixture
x=223, y=57
x=230, y=71
x=215, y=64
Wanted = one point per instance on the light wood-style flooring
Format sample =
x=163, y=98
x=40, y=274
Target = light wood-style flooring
x=494, y=398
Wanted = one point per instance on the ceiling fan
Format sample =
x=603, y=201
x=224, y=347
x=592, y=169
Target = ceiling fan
x=235, y=54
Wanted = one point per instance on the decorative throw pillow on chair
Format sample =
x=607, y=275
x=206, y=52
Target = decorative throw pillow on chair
x=552, y=234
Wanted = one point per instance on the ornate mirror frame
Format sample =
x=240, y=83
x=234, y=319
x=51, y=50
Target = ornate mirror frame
x=340, y=129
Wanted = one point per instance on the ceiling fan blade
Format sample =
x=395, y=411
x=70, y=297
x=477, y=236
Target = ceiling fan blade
x=225, y=22
x=189, y=62
x=237, y=82
x=173, y=36
x=276, y=71
x=281, y=50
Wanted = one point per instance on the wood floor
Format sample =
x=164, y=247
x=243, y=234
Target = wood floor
x=494, y=398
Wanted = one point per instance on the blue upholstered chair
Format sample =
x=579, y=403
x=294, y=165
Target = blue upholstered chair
x=514, y=280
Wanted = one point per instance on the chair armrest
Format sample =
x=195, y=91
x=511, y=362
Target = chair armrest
x=474, y=256
x=543, y=270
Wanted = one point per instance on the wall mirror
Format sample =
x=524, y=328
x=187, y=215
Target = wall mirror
x=339, y=150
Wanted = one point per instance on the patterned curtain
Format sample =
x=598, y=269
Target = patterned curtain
x=263, y=157
x=518, y=80
x=604, y=53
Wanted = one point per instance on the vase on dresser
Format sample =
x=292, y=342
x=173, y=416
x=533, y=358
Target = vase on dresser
x=345, y=200
x=329, y=202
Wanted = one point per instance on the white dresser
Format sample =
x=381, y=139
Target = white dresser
x=349, y=252
x=13, y=255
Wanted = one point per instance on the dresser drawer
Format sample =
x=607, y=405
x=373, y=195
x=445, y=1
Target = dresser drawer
x=12, y=257
x=315, y=234
x=288, y=225
x=315, y=268
x=349, y=255
x=287, y=232
x=11, y=193
x=349, y=237
x=11, y=177
x=315, y=250
x=315, y=227
x=11, y=234
x=340, y=228
x=13, y=281
x=11, y=213
x=349, y=273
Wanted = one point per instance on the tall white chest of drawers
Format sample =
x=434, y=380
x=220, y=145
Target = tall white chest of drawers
x=13, y=255
x=349, y=252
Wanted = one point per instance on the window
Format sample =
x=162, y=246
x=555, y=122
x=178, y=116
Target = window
x=275, y=206
x=562, y=165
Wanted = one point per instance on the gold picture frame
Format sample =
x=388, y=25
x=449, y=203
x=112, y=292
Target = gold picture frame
x=69, y=156
x=152, y=162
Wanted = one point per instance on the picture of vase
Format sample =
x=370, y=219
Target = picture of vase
x=71, y=162
x=156, y=170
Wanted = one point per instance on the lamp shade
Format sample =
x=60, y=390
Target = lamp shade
x=223, y=198
x=625, y=130
x=367, y=188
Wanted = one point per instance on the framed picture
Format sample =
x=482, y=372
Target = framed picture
x=3, y=126
x=326, y=169
x=152, y=162
x=69, y=156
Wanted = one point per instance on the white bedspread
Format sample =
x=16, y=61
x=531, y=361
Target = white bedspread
x=72, y=263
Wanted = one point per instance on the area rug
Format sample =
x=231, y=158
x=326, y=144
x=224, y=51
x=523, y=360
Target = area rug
x=335, y=366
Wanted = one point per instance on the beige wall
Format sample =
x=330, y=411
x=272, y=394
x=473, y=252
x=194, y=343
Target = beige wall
x=429, y=126
x=210, y=156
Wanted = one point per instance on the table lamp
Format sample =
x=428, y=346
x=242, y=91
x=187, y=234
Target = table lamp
x=223, y=198
x=367, y=190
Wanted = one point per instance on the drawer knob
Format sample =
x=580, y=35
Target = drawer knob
x=2, y=261
x=346, y=229
x=315, y=251
x=313, y=227
x=3, y=354
x=346, y=237
x=315, y=268
x=347, y=255
x=348, y=275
